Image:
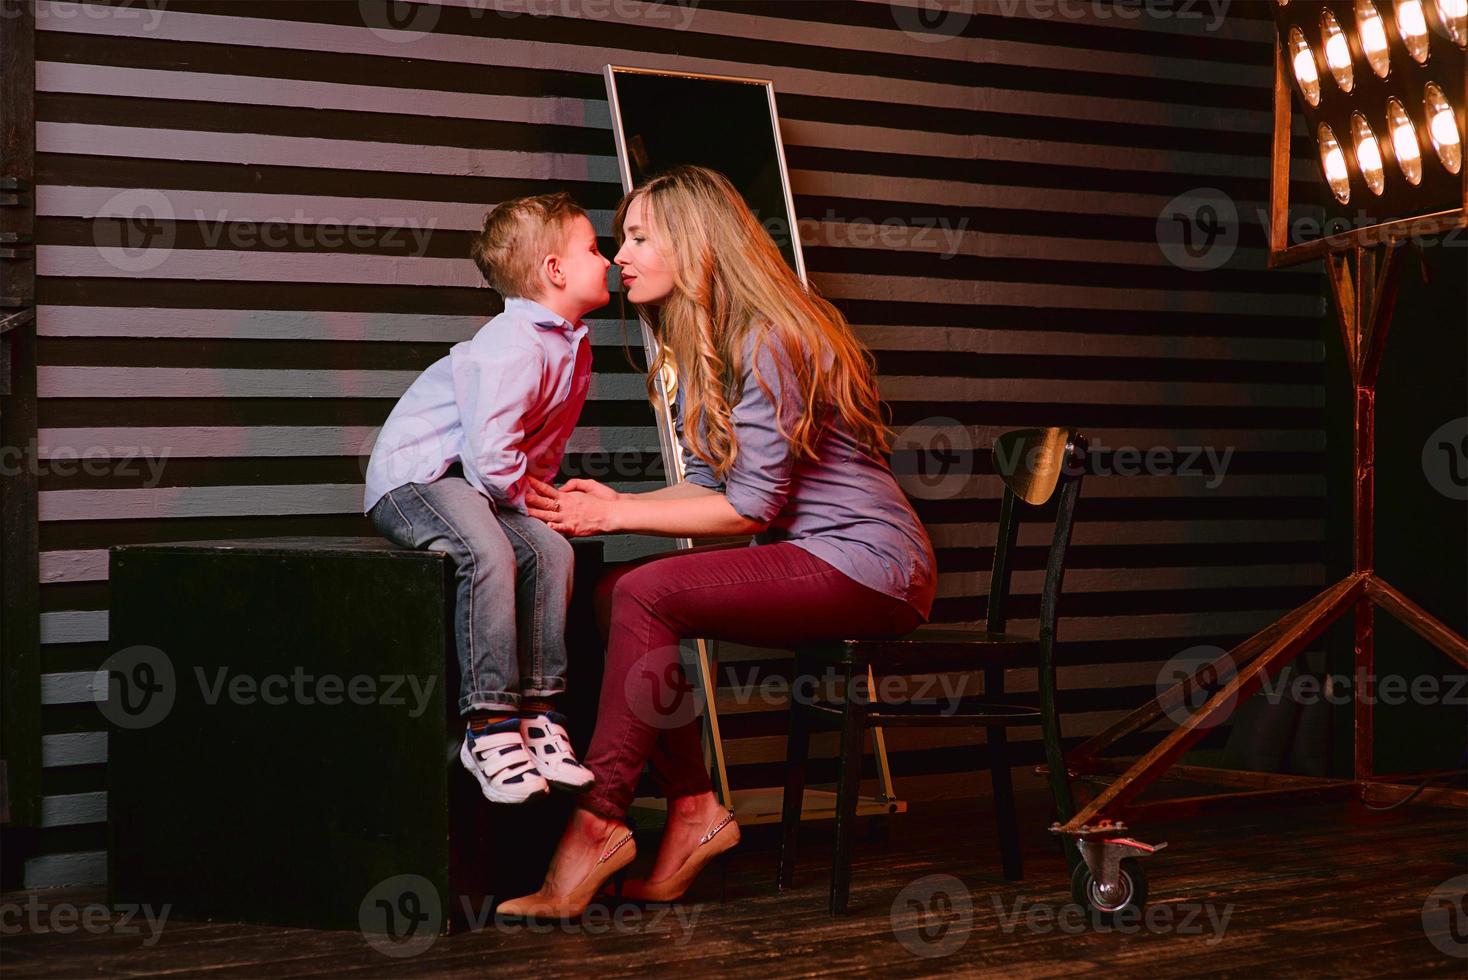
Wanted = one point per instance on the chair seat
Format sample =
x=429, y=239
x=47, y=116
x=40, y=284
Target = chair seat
x=930, y=648
x=938, y=713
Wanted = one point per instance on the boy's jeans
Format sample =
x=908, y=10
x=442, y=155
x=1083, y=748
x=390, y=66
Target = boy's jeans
x=514, y=587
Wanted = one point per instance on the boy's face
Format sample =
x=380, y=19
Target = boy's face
x=584, y=267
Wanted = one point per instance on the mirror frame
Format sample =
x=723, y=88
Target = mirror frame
x=667, y=437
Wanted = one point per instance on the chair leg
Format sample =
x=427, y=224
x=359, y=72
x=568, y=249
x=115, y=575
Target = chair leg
x=797, y=748
x=848, y=787
x=1005, y=818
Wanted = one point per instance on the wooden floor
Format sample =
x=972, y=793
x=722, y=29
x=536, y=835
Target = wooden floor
x=1326, y=890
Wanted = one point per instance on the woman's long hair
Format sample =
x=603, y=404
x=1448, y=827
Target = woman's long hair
x=729, y=280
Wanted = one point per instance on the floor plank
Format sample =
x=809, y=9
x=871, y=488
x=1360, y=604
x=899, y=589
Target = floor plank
x=1307, y=891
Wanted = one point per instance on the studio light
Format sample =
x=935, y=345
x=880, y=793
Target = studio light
x=1404, y=141
x=1454, y=15
x=1304, y=61
x=1442, y=127
x=1412, y=25
x=1372, y=30
x=1337, y=51
x=1333, y=162
x=1368, y=154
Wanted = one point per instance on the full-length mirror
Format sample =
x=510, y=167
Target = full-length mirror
x=665, y=119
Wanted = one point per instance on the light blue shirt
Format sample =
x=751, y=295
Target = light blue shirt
x=502, y=403
x=845, y=506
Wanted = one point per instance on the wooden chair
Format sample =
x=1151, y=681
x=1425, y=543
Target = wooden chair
x=1035, y=465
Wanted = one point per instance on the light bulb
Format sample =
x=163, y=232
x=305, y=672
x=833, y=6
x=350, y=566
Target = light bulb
x=1368, y=153
x=1373, y=37
x=1412, y=25
x=1333, y=162
x=1454, y=15
x=1337, y=51
x=1443, y=128
x=1404, y=141
x=1303, y=60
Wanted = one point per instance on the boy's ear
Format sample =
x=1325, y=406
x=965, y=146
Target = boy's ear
x=552, y=272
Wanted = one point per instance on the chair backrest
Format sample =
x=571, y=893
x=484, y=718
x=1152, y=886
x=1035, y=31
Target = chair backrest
x=1035, y=465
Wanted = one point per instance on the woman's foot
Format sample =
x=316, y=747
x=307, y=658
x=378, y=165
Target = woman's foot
x=699, y=829
x=591, y=850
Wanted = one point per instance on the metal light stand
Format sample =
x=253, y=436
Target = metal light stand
x=1364, y=268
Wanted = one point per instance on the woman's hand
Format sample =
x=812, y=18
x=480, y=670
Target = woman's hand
x=578, y=509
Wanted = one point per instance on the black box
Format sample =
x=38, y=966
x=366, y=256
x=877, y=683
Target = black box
x=284, y=737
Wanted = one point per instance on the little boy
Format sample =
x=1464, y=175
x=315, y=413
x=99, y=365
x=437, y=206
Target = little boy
x=449, y=473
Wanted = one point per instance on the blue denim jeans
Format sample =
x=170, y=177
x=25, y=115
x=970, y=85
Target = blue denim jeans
x=514, y=587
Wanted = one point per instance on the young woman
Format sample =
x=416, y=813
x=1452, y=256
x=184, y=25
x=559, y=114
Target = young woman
x=783, y=437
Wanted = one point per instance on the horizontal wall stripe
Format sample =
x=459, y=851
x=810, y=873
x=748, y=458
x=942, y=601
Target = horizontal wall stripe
x=216, y=501
x=96, y=382
x=59, y=870
x=173, y=144
x=88, y=627
x=918, y=290
x=116, y=445
x=74, y=749
x=73, y=809
x=195, y=441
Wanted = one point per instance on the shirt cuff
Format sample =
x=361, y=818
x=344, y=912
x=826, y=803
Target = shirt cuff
x=754, y=504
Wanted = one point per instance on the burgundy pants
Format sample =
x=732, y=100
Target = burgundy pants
x=773, y=595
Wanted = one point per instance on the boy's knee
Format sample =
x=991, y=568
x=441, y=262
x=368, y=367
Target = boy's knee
x=558, y=551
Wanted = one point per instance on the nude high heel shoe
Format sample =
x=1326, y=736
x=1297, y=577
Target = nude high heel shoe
x=617, y=851
x=721, y=837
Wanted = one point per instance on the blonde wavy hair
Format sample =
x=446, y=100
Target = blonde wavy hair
x=729, y=280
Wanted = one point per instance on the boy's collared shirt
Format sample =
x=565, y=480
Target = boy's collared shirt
x=503, y=404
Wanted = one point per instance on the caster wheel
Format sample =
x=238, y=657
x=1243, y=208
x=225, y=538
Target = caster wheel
x=1130, y=891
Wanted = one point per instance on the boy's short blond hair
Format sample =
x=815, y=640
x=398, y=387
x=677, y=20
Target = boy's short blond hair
x=516, y=238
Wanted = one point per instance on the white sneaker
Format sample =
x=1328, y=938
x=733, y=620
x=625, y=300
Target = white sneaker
x=505, y=771
x=545, y=737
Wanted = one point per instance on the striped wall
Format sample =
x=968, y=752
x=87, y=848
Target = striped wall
x=219, y=352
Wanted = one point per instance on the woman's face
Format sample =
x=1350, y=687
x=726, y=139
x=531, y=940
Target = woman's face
x=647, y=272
